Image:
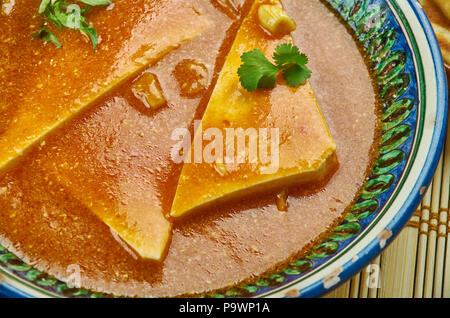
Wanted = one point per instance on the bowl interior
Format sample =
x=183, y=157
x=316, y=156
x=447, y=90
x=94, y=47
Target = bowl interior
x=413, y=121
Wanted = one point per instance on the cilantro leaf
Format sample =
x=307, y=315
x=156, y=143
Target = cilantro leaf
x=258, y=72
x=287, y=53
x=96, y=2
x=43, y=6
x=92, y=33
x=288, y=57
x=296, y=75
x=69, y=15
x=47, y=36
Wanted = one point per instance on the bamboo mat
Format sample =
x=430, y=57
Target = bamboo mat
x=417, y=263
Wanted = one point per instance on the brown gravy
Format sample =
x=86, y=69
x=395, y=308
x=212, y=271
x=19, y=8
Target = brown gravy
x=127, y=149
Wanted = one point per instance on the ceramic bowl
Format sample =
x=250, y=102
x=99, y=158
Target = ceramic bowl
x=410, y=76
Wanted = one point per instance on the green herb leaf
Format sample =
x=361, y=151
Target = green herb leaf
x=296, y=75
x=288, y=57
x=287, y=53
x=258, y=72
x=47, y=36
x=92, y=33
x=86, y=9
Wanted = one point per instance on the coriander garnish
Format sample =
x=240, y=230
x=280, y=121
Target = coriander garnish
x=47, y=36
x=258, y=72
x=70, y=15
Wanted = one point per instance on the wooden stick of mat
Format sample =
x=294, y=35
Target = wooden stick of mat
x=398, y=263
x=443, y=251
x=354, y=286
x=432, y=234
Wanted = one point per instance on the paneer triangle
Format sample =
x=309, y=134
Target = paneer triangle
x=306, y=150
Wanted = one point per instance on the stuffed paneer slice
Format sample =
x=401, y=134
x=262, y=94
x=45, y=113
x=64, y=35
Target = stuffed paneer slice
x=293, y=142
x=438, y=11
